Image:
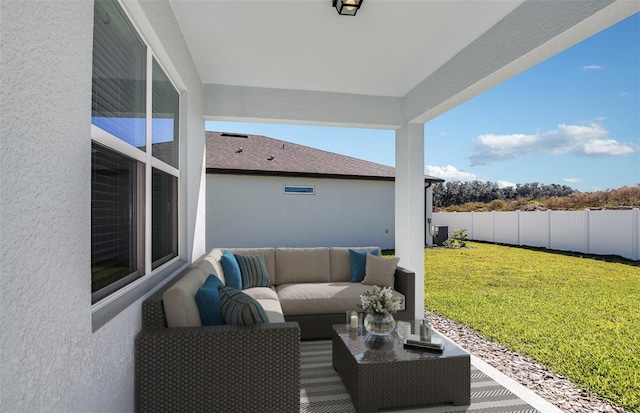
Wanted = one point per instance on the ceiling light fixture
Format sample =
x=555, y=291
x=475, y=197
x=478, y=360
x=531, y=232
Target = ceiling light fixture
x=347, y=7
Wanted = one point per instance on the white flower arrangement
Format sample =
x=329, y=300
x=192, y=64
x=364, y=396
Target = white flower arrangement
x=380, y=301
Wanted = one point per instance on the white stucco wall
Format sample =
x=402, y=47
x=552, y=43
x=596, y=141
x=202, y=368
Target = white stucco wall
x=50, y=358
x=253, y=211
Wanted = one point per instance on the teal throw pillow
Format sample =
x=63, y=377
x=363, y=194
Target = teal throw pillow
x=208, y=300
x=239, y=308
x=231, y=270
x=253, y=271
x=358, y=261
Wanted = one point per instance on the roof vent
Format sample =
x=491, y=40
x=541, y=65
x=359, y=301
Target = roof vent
x=271, y=158
x=240, y=150
x=234, y=135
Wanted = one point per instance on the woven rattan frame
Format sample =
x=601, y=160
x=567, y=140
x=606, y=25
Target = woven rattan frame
x=422, y=381
x=231, y=368
x=253, y=368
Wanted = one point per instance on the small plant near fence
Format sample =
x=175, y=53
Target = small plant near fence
x=458, y=239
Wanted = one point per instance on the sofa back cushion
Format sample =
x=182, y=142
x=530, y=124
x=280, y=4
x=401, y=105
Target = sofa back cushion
x=210, y=264
x=303, y=265
x=180, y=308
x=341, y=263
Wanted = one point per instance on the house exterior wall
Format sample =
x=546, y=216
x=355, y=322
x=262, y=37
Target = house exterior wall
x=253, y=211
x=51, y=358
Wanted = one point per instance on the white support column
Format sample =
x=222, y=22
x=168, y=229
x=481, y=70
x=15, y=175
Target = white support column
x=409, y=206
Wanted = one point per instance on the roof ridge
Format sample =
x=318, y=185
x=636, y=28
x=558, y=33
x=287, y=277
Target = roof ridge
x=257, y=154
x=249, y=135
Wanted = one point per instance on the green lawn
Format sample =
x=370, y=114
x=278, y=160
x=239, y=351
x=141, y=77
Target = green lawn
x=579, y=316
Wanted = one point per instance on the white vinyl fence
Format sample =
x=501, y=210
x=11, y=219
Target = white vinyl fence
x=590, y=232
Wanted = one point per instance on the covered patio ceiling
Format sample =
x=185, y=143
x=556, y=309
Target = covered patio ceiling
x=415, y=58
x=386, y=49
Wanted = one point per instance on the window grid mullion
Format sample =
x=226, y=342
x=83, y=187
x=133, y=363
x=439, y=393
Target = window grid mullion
x=148, y=166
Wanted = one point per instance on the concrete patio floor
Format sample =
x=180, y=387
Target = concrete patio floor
x=321, y=389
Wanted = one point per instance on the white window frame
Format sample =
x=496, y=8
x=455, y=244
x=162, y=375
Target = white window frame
x=112, y=142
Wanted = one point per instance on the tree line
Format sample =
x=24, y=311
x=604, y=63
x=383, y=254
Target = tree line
x=487, y=196
x=458, y=193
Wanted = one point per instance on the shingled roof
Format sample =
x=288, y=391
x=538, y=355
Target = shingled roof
x=231, y=153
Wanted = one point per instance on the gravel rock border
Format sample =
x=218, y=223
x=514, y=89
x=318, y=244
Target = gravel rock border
x=555, y=388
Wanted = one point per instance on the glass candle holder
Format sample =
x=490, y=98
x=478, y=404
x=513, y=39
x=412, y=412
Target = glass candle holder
x=353, y=320
x=403, y=330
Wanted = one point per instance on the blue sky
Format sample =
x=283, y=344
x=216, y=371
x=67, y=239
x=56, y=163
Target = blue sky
x=573, y=119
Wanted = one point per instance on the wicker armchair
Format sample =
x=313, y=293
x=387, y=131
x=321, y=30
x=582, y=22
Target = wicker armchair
x=215, y=368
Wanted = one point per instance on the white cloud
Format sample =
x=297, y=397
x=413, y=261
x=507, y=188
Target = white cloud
x=607, y=147
x=591, y=67
x=449, y=173
x=584, y=140
x=572, y=180
x=504, y=184
x=621, y=94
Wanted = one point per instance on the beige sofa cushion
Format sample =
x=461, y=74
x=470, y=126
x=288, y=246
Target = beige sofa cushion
x=261, y=293
x=272, y=308
x=322, y=298
x=302, y=265
x=180, y=308
x=341, y=264
x=210, y=264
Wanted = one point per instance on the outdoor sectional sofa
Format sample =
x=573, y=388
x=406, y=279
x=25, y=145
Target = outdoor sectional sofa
x=182, y=365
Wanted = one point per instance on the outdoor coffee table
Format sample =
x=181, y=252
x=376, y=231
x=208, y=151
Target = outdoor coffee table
x=397, y=378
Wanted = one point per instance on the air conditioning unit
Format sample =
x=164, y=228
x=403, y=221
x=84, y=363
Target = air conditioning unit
x=440, y=234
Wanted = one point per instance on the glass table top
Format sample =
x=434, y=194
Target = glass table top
x=355, y=343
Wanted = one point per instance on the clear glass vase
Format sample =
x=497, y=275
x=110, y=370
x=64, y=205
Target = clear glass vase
x=379, y=329
x=379, y=324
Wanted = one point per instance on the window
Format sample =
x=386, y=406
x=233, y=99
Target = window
x=164, y=125
x=115, y=251
x=119, y=73
x=164, y=218
x=300, y=190
x=134, y=159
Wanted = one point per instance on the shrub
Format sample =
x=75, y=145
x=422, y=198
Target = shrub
x=458, y=239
